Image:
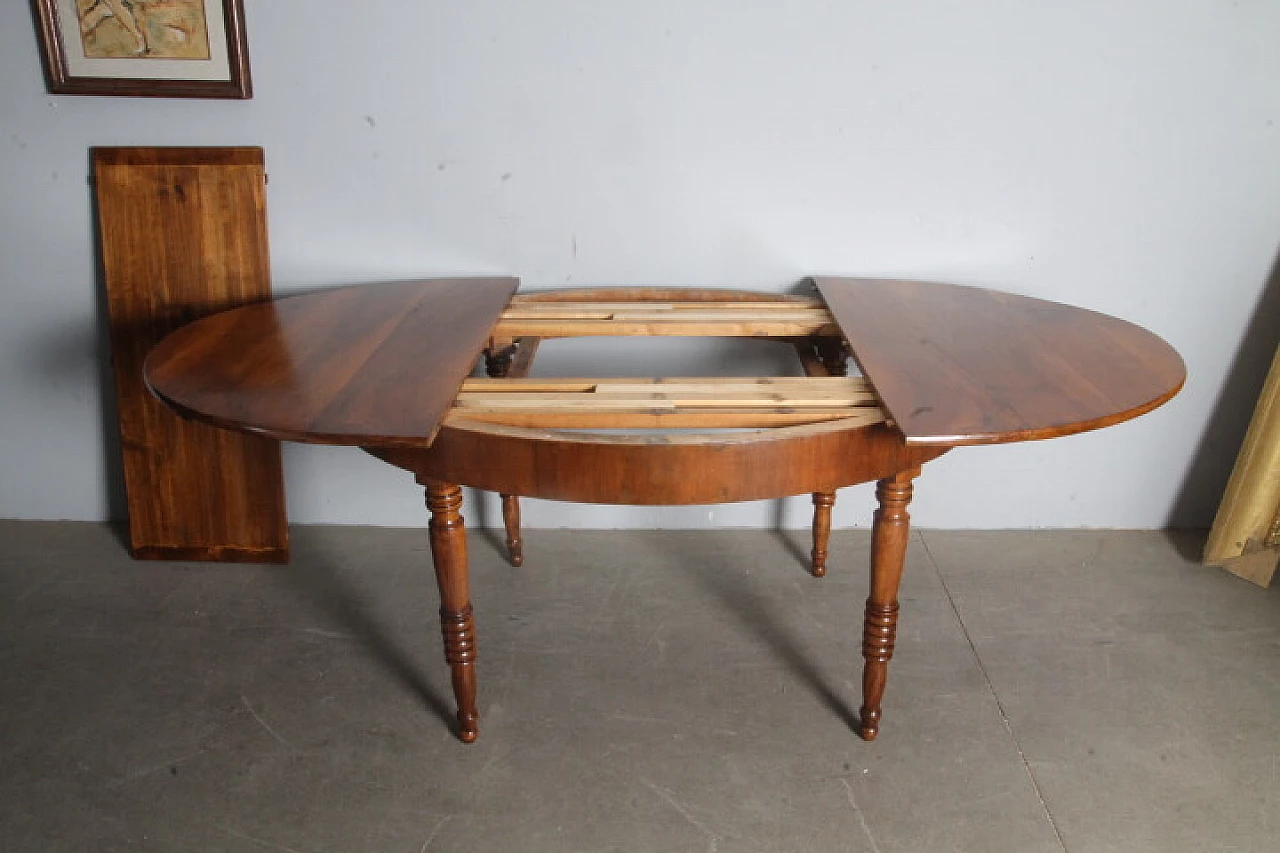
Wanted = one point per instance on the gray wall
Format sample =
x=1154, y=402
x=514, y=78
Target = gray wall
x=1118, y=155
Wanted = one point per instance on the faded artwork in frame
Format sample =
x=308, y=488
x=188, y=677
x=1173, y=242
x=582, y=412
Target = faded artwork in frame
x=148, y=48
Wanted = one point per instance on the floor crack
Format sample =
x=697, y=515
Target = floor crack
x=1004, y=716
x=862, y=820
x=263, y=723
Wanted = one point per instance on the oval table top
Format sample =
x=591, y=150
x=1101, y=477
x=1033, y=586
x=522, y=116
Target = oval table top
x=380, y=365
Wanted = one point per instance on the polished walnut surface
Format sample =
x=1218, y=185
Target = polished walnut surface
x=962, y=365
x=381, y=365
x=182, y=234
x=375, y=364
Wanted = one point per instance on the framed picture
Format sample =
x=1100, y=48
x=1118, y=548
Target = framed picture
x=151, y=48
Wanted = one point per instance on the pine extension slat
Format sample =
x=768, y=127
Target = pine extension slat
x=692, y=319
x=683, y=403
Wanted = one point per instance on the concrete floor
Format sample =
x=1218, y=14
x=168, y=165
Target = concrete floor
x=639, y=691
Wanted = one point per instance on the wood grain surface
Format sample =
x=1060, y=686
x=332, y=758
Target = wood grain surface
x=701, y=318
x=373, y=364
x=960, y=365
x=183, y=234
x=716, y=402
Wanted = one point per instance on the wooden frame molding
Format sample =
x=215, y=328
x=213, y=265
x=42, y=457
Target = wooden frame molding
x=1245, y=539
x=61, y=79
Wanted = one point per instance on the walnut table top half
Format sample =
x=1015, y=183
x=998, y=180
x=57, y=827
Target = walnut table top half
x=386, y=367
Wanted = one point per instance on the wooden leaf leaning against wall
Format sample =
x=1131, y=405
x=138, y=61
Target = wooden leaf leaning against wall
x=183, y=234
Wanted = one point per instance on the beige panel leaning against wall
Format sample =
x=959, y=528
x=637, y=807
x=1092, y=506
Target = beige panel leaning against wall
x=1245, y=538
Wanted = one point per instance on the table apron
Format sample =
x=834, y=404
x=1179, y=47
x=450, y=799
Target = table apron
x=660, y=470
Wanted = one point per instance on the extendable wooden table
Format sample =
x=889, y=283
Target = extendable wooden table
x=388, y=368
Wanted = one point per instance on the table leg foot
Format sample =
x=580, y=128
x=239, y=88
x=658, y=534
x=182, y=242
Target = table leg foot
x=511, y=520
x=460, y=653
x=890, y=531
x=880, y=628
x=449, y=551
x=822, y=504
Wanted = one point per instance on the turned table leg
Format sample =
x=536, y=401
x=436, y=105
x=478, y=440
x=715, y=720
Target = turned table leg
x=822, y=504
x=888, y=549
x=511, y=520
x=834, y=360
x=497, y=363
x=449, y=551
x=498, y=358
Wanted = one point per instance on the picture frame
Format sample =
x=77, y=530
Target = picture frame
x=177, y=49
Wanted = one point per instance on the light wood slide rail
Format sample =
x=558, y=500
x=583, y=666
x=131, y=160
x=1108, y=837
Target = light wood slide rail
x=658, y=403
x=790, y=318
